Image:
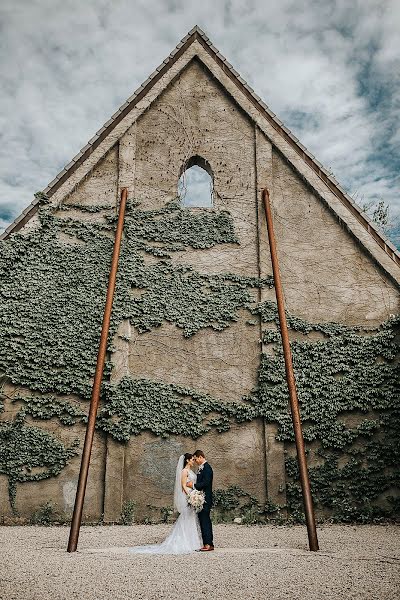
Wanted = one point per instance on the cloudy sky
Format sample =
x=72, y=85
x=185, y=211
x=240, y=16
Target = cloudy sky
x=330, y=69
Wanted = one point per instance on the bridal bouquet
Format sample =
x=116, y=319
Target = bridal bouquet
x=196, y=500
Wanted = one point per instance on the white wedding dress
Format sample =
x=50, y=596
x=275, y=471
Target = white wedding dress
x=185, y=535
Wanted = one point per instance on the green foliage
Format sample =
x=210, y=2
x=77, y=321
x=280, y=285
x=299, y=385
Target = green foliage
x=190, y=300
x=52, y=293
x=166, y=513
x=127, y=512
x=45, y=515
x=49, y=330
x=350, y=493
x=28, y=453
x=52, y=297
x=349, y=372
x=58, y=290
x=135, y=405
x=49, y=406
x=342, y=373
x=178, y=228
x=42, y=198
x=234, y=502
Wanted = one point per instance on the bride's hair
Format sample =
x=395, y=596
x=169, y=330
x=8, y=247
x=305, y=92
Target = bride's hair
x=186, y=458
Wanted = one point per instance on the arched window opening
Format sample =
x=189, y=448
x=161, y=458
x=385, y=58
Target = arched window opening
x=195, y=186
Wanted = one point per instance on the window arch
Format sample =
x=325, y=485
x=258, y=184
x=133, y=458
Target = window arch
x=196, y=183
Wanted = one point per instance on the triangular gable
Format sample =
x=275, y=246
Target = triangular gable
x=197, y=44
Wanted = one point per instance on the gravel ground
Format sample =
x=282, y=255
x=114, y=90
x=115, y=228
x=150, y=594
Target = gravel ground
x=271, y=562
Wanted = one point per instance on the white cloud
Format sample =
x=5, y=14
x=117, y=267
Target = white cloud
x=329, y=69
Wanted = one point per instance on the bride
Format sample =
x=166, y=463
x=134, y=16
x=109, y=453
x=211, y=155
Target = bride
x=185, y=535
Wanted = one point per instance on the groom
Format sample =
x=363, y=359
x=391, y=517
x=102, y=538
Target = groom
x=204, y=482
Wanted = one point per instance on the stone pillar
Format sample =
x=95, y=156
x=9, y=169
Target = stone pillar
x=126, y=161
x=274, y=450
x=115, y=456
x=275, y=459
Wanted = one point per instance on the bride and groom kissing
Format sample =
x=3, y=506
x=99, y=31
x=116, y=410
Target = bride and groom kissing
x=192, y=530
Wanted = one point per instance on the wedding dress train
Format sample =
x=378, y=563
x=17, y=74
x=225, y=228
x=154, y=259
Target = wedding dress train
x=185, y=535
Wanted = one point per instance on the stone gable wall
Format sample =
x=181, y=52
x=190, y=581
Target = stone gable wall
x=326, y=275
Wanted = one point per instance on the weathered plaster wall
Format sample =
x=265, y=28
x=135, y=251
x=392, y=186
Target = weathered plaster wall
x=326, y=275
x=193, y=117
x=203, y=123
x=237, y=457
x=100, y=187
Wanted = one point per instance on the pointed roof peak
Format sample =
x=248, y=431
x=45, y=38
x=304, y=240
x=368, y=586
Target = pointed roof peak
x=197, y=29
x=197, y=34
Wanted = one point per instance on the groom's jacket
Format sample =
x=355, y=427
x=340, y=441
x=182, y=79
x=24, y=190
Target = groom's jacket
x=204, y=483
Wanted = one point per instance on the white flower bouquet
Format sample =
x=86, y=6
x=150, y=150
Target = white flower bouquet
x=196, y=500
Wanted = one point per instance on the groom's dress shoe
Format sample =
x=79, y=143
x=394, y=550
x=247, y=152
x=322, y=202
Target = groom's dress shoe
x=207, y=548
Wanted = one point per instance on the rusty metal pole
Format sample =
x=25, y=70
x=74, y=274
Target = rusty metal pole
x=94, y=402
x=294, y=404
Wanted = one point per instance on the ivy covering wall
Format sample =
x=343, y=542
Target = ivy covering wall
x=52, y=289
x=349, y=392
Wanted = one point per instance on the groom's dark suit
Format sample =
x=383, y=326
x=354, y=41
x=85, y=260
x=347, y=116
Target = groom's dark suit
x=204, y=482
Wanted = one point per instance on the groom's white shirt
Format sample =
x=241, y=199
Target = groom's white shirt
x=199, y=470
x=201, y=467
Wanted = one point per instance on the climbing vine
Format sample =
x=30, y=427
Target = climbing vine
x=28, y=453
x=53, y=285
x=349, y=372
x=52, y=298
x=50, y=330
x=135, y=405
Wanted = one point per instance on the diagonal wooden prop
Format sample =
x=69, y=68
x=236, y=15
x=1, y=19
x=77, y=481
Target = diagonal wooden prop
x=87, y=448
x=294, y=404
x=94, y=402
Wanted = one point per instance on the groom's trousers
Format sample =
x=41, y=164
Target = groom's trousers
x=206, y=526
